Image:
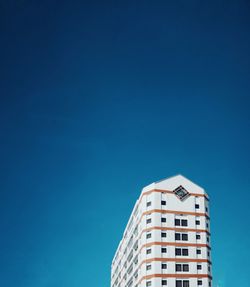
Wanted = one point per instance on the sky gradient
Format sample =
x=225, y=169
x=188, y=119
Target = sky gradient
x=100, y=98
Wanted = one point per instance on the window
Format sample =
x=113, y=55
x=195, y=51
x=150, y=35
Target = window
x=164, y=282
x=181, y=236
x=163, y=202
x=164, y=265
x=206, y=209
x=184, y=222
x=177, y=267
x=208, y=253
x=177, y=222
x=164, y=250
x=198, y=267
x=163, y=219
x=130, y=256
x=197, y=206
x=184, y=237
x=181, y=251
x=148, y=267
x=185, y=252
x=163, y=234
x=198, y=236
x=148, y=220
x=177, y=236
x=209, y=268
x=207, y=225
x=199, y=282
x=148, y=283
x=197, y=222
x=148, y=203
x=177, y=251
x=180, y=283
x=148, y=251
x=136, y=245
x=207, y=239
x=181, y=192
x=148, y=235
x=181, y=267
x=198, y=251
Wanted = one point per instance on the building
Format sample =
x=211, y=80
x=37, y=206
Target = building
x=167, y=239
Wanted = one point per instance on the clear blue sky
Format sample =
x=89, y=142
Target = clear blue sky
x=100, y=99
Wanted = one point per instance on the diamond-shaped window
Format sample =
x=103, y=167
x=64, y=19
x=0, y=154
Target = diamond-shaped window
x=181, y=192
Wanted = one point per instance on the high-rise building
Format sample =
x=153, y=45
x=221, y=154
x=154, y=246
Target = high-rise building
x=167, y=239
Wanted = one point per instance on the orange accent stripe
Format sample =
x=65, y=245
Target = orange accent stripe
x=174, y=276
x=170, y=192
x=171, y=212
x=191, y=193
x=174, y=244
x=175, y=260
x=175, y=212
x=174, y=229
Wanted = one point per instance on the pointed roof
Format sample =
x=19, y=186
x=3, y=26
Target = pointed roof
x=171, y=183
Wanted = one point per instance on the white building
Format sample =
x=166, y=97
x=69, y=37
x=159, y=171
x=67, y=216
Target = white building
x=167, y=239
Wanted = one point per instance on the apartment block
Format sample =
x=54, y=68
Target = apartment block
x=167, y=239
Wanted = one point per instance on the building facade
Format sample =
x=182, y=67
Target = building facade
x=167, y=239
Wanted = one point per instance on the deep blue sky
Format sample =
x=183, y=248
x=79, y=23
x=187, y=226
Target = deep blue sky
x=101, y=99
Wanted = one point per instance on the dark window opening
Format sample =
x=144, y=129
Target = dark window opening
x=177, y=222
x=184, y=222
x=177, y=236
x=184, y=237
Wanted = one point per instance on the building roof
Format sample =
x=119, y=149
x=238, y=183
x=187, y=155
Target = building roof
x=171, y=183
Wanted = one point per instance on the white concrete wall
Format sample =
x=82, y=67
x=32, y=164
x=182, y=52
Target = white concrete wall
x=120, y=265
